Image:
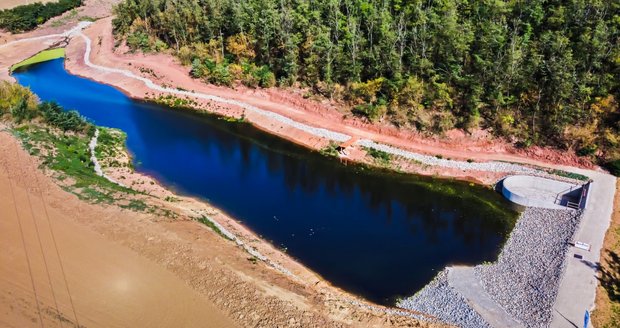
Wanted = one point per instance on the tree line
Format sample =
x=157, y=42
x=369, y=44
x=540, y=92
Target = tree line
x=18, y=104
x=537, y=72
x=28, y=17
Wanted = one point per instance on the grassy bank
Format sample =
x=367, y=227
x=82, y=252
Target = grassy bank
x=69, y=157
x=61, y=139
x=42, y=56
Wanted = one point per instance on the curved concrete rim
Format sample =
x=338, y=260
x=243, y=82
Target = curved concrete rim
x=533, y=191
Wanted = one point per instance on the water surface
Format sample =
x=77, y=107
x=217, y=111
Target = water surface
x=374, y=234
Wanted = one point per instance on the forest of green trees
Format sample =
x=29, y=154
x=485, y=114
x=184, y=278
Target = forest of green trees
x=535, y=71
x=27, y=17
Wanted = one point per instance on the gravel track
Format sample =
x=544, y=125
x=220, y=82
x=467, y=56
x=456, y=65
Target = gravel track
x=434, y=161
x=526, y=277
x=439, y=299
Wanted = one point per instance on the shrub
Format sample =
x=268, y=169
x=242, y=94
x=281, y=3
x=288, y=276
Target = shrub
x=379, y=155
x=11, y=94
x=186, y=55
x=613, y=167
x=198, y=70
x=443, y=121
x=64, y=120
x=330, y=150
x=366, y=91
x=236, y=71
x=249, y=80
x=21, y=112
x=139, y=41
x=265, y=77
x=587, y=150
x=219, y=75
x=371, y=111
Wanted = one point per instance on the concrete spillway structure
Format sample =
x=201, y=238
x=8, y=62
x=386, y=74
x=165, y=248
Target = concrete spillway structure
x=532, y=191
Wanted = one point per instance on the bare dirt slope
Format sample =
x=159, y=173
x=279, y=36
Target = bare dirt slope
x=54, y=272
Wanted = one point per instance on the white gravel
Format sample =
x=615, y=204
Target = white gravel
x=442, y=301
x=80, y=26
x=526, y=277
x=93, y=158
x=434, y=161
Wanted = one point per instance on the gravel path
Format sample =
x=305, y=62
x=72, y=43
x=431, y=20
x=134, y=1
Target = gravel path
x=80, y=26
x=526, y=277
x=441, y=300
x=434, y=161
x=92, y=145
x=320, y=132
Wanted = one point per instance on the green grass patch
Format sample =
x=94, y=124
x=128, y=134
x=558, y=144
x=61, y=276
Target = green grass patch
x=42, y=56
x=137, y=205
x=379, y=156
x=175, y=102
x=109, y=142
x=69, y=156
x=331, y=150
x=206, y=221
x=569, y=175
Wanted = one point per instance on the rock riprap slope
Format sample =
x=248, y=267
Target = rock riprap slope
x=442, y=301
x=525, y=278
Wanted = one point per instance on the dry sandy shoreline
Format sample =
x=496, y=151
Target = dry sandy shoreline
x=75, y=276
